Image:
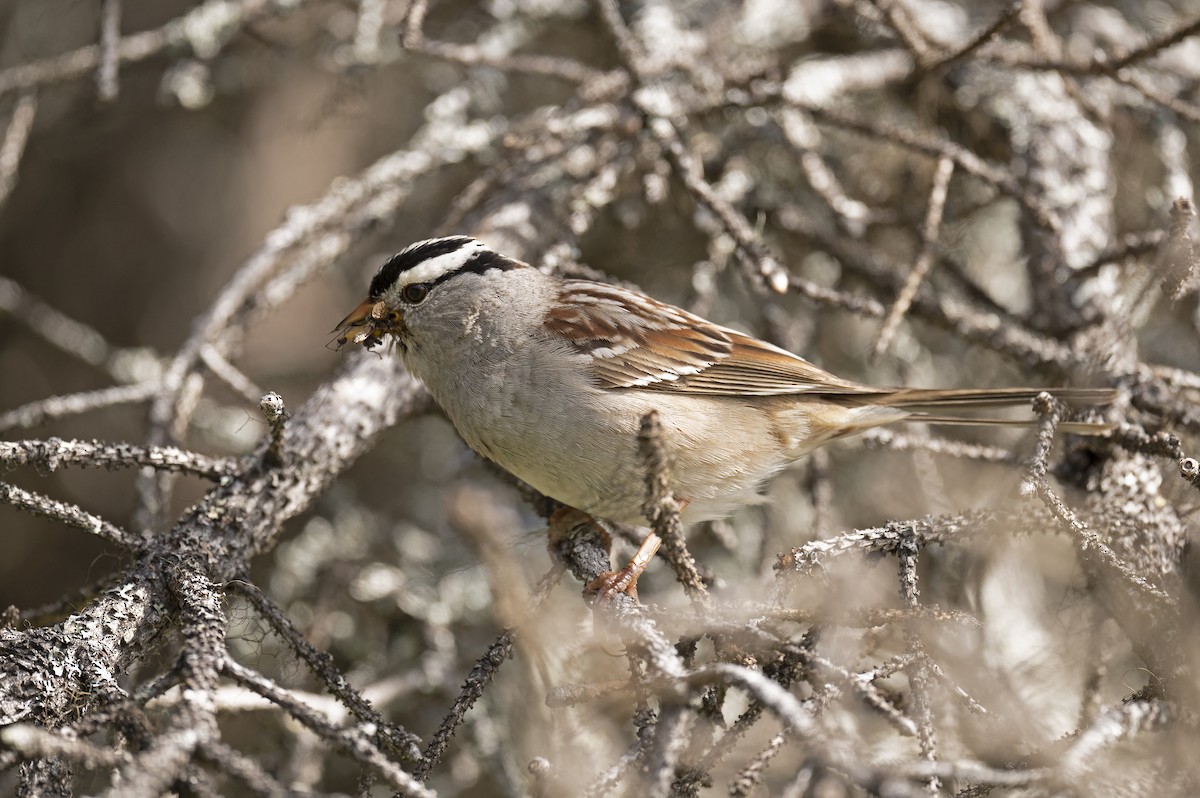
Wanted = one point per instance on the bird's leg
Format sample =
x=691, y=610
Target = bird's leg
x=610, y=583
x=579, y=542
x=565, y=518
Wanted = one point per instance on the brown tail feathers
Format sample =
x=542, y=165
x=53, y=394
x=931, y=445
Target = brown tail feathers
x=944, y=406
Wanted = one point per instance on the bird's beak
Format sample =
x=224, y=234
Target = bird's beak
x=365, y=325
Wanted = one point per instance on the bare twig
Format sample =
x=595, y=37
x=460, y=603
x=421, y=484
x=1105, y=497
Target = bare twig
x=33, y=742
x=1158, y=44
x=236, y=765
x=353, y=740
x=275, y=412
x=1119, y=723
x=195, y=29
x=1050, y=412
x=906, y=29
x=414, y=21
x=751, y=775
x=888, y=539
x=764, y=265
x=925, y=258
x=542, y=65
x=477, y=681
x=110, y=35
x=900, y=441
x=151, y=770
x=12, y=147
x=986, y=35
x=69, y=514
x=71, y=336
x=663, y=510
x=390, y=737
x=53, y=453
x=989, y=329
x=918, y=675
x=940, y=148
x=55, y=407
x=229, y=374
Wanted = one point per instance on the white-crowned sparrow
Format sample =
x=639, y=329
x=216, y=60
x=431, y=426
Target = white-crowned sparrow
x=550, y=379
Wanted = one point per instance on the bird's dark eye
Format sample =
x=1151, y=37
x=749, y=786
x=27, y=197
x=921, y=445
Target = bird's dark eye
x=415, y=293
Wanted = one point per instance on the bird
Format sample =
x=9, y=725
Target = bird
x=550, y=379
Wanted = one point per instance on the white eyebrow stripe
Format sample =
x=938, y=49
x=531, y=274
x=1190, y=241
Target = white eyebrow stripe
x=430, y=270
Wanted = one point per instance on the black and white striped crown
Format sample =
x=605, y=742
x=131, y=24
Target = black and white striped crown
x=437, y=259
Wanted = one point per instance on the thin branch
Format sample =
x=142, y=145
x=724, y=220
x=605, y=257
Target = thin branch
x=751, y=775
x=764, y=265
x=1120, y=723
x=788, y=709
x=853, y=215
x=12, y=146
x=979, y=40
x=368, y=31
x=918, y=675
x=604, y=783
x=414, y=21
x=925, y=257
x=239, y=767
x=663, y=510
x=69, y=514
x=275, y=412
x=1158, y=44
x=53, y=453
x=481, y=676
x=1050, y=413
x=896, y=440
x=37, y=413
x=898, y=19
x=863, y=686
x=1020, y=58
x=352, y=740
x=998, y=333
x=226, y=372
x=1131, y=245
x=542, y=65
x=34, y=742
x=107, y=82
x=194, y=29
x=754, y=252
x=389, y=736
x=202, y=614
x=938, y=147
x=888, y=539
x=69, y=335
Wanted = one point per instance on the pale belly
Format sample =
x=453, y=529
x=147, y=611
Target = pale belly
x=590, y=460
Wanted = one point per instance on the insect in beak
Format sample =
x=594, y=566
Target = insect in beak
x=365, y=325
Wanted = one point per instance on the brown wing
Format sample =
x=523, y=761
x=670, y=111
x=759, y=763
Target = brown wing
x=638, y=342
